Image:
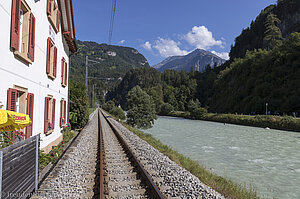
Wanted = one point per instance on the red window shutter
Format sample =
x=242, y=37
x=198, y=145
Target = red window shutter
x=48, y=55
x=66, y=73
x=15, y=24
x=65, y=114
x=58, y=20
x=30, y=103
x=31, y=38
x=53, y=114
x=11, y=99
x=61, y=112
x=49, y=9
x=62, y=70
x=46, y=123
x=55, y=62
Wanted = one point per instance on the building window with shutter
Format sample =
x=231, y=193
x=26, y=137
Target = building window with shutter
x=21, y=101
x=51, y=65
x=63, y=112
x=64, y=72
x=22, y=40
x=53, y=14
x=49, y=119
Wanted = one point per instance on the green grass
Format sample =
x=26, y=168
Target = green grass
x=225, y=186
x=90, y=111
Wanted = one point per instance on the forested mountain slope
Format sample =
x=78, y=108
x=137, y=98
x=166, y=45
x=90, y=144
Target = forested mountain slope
x=253, y=37
x=113, y=63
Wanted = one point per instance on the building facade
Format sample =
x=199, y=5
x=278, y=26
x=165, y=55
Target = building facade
x=37, y=40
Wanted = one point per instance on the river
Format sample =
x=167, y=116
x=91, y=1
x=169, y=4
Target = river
x=268, y=160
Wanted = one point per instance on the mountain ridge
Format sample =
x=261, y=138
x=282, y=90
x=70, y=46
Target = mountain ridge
x=197, y=59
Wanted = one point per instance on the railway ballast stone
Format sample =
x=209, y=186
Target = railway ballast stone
x=74, y=175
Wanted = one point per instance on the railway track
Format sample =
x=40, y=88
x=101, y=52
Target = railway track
x=121, y=175
x=101, y=164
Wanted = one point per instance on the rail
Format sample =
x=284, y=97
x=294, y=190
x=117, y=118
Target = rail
x=154, y=190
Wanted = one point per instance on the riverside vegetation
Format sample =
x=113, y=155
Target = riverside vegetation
x=287, y=123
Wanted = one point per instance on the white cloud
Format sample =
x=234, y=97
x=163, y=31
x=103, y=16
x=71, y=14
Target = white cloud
x=168, y=47
x=147, y=45
x=223, y=55
x=122, y=41
x=201, y=37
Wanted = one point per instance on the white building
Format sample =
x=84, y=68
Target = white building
x=37, y=39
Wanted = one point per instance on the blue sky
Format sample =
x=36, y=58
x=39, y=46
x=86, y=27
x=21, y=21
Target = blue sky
x=162, y=28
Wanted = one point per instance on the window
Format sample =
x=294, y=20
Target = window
x=64, y=71
x=22, y=31
x=49, y=120
x=19, y=100
x=53, y=14
x=63, y=116
x=51, y=59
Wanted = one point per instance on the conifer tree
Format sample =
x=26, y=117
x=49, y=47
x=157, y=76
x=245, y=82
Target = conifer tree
x=273, y=35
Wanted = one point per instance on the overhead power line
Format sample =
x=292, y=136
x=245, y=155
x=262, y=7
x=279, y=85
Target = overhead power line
x=112, y=19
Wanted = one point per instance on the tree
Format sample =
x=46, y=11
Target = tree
x=166, y=109
x=156, y=93
x=108, y=106
x=79, y=106
x=196, y=112
x=193, y=104
x=273, y=35
x=141, y=109
x=118, y=112
x=114, y=110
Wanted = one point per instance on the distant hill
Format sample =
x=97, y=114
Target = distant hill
x=197, y=58
x=114, y=62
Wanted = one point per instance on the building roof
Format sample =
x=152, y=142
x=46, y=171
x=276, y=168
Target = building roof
x=67, y=21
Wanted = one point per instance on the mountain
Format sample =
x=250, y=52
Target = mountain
x=288, y=14
x=197, y=58
x=113, y=63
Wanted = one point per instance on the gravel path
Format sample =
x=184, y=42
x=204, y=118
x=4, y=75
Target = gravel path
x=73, y=177
x=173, y=180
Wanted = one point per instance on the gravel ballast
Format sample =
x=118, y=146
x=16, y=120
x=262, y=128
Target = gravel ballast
x=74, y=175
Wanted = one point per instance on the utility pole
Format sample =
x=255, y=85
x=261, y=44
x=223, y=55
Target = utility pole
x=93, y=100
x=86, y=74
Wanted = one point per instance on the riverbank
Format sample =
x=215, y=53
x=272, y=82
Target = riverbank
x=286, y=123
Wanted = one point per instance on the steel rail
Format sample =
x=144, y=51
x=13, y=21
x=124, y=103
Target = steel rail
x=155, y=192
x=101, y=191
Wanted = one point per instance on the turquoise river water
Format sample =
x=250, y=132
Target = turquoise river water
x=268, y=160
